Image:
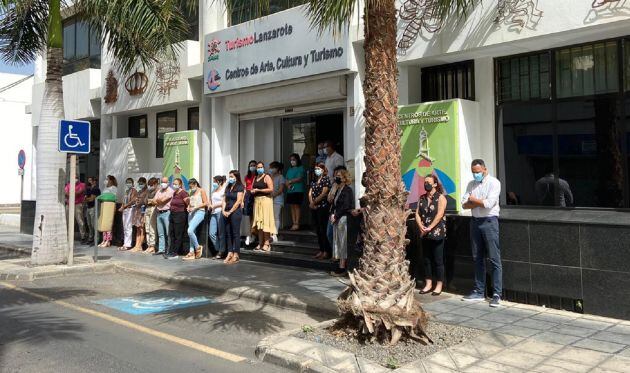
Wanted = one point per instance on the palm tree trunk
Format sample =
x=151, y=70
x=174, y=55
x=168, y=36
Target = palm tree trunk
x=50, y=237
x=381, y=289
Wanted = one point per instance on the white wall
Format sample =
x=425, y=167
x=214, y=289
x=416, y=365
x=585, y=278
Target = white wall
x=17, y=134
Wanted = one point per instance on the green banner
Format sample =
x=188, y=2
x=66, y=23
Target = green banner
x=180, y=156
x=430, y=146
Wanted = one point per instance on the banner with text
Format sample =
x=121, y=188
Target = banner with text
x=430, y=146
x=180, y=156
x=270, y=49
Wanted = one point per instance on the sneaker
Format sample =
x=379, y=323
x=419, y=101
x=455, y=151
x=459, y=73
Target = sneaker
x=474, y=297
x=170, y=256
x=274, y=238
x=247, y=241
x=495, y=301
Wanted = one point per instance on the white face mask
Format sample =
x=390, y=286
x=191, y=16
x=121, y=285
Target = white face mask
x=175, y=186
x=164, y=185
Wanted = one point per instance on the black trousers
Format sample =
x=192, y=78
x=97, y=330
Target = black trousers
x=233, y=231
x=320, y=218
x=433, y=256
x=178, y=222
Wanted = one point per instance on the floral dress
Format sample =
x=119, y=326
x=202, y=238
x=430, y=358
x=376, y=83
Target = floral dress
x=427, y=210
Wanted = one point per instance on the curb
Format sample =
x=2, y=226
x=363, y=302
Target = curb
x=16, y=249
x=275, y=299
x=31, y=274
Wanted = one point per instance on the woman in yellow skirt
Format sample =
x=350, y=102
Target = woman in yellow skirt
x=263, y=222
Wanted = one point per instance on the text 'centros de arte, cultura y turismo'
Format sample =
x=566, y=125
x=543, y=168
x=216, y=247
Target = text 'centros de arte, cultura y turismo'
x=423, y=117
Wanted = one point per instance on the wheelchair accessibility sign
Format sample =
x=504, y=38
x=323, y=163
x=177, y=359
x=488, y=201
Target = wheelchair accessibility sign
x=74, y=136
x=156, y=302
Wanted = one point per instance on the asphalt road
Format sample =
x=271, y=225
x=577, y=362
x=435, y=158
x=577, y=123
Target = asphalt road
x=54, y=325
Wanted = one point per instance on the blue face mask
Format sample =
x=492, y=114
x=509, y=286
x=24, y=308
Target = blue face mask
x=231, y=181
x=478, y=176
x=252, y=169
x=260, y=171
x=318, y=172
x=215, y=186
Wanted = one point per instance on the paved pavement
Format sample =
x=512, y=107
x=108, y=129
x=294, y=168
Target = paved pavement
x=57, y=327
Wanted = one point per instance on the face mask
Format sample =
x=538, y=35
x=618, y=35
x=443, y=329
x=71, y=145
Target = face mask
x=129, y=186
x=260, y=171
x=164, y=185
x=338, y=180
x=293, y=163
x=252, y=169
x=231, y=180
x=318, y=172
x=193, y=190
x=175, y=186
x=140, y=186
x=215, y=186
x=428, y=187
x=478, y=176
x=152, y=188
x=322, y=152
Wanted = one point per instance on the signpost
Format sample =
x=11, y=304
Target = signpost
x=74, y=138
x=21, y=164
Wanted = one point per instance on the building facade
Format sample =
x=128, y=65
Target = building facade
x=543, y=86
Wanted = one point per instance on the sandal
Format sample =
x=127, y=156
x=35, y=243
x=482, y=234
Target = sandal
x=228, y=258
x=198, y=252
x=234, y=260
x=294, y=227
x=189, y=256
x=123, y=248
x=257, y=248
x=135, y=249
x=266, y=248
x=150, y=250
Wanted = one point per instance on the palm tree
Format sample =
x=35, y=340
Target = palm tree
x=380, y=296
x=135, y=32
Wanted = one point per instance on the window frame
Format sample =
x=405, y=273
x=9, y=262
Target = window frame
x=146, y=126
x=468, y=69
x=188, y=123
x=93, y=58
x=157, y=130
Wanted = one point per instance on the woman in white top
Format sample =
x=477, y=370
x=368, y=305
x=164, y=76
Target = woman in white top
x=278, y=193
x=197, y=203
x=216, y=229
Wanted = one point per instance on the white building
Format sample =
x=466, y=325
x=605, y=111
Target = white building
x=15, y=96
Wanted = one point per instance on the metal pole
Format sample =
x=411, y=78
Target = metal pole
x=96, y=203
x=71, y=199
x=21, y=187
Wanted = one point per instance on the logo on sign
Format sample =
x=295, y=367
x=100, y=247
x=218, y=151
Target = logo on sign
x=214, y=80
x=74, y=136
x=213, y=50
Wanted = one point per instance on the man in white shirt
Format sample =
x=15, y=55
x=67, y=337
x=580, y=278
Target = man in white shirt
x=333, y=160
x=482, y=198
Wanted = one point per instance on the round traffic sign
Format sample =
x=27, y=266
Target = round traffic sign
x=21, y=159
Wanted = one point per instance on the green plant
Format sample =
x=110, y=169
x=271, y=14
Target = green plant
x=307, y=329
x=392, y=363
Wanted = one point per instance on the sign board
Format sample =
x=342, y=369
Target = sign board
x=161, y=301
x=271, y=49
x=181, y=156
x=74, y=137
x=21, y=159
x=430, y=145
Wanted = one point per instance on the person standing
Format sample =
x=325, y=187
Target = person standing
x=295, y=189
x=248, y=210
x=197, y=203
x=321, y=153
x=278, y=193
x=217, y=228
x=79, y=198
x=162, y=202
x=139, y=209
x=111, y=186
x=233, y=215
x=431, y=220
x=91, y=192
x=263, y=223
x=150, y=215
x=482, y=197
x=129, y=200
x=333, y=159
x=341, y=207
x=331, y=198
x=177, y=219
x=318, y=203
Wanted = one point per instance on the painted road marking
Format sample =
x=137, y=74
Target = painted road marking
x=157, y=302
x=170, y=338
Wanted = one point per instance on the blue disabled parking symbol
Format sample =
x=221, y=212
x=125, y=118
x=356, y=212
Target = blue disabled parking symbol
x=156, y=302
x=74, y=136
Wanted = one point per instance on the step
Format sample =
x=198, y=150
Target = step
x=288, y=259
x=295, y=247
x=305, y=236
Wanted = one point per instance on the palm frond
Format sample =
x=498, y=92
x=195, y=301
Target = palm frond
x=333, y=14
x=23, y=30
x=137, y=31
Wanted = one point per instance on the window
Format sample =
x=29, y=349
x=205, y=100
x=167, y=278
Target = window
x=246, y=10
x=523, y=78
x=568, y=145
x=446, y=82
x=166, y=122
x=138, y=126
x=81, y=47
x=193, y=118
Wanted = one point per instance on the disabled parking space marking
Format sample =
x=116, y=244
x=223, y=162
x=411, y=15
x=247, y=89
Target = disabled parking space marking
x=156, y=302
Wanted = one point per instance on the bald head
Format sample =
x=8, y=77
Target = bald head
x=165, y=180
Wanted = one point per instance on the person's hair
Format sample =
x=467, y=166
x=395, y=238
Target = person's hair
x=255, y=162
x=277, y=165
x=344, y=175
x=342, y=167
x=260, y=163
x=362, y=202
x=112, y=179
x=297, y=159
x=92, y=178
x=478, y=162
x=152, y=181
x=194, y=181
x=142, y=180
x=181, y=183
x=322, y=165
x=439, y=189
x=220, y=179
x=128, y=180
x=331, y=144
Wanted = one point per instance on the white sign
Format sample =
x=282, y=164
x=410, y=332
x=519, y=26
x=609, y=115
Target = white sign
x=270, y=49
